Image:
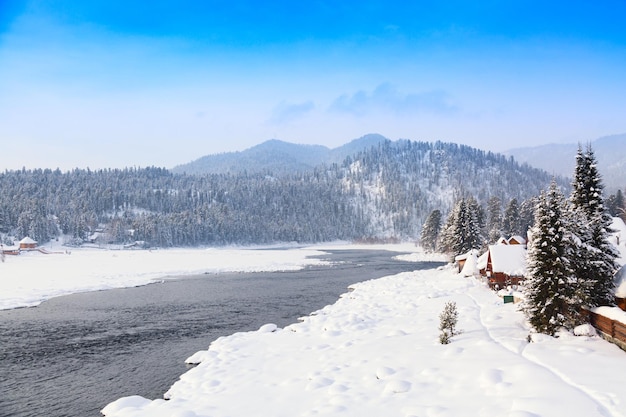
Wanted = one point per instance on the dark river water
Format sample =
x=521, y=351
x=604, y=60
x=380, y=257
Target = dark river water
x=73, y=355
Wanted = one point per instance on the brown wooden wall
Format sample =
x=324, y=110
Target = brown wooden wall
x=615, y=329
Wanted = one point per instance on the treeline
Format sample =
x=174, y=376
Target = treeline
x=163, y=209
x=386, y=191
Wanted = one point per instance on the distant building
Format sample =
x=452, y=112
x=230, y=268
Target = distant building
x=9, y=250
x=28, y=243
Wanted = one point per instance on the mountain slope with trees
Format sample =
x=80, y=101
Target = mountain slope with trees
x=383, y=192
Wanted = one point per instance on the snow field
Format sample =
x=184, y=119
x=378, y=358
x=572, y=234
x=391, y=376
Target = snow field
x=376, y=352
x=30, y=278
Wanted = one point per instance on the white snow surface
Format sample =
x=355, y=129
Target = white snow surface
x=33, y=277
x=375, y=352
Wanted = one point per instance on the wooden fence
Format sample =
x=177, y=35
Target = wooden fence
x=614, y=331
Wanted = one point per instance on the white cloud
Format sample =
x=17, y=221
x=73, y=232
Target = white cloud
x=286, y=112
x=387, y=97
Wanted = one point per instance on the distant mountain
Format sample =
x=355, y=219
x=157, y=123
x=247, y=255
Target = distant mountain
x=277, y=157
x=561, y=159
x=381, y=192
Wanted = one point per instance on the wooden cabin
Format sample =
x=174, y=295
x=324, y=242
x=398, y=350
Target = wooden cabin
x=9, y=250
x=460, y=260
x=503, y=265
x=27, y=243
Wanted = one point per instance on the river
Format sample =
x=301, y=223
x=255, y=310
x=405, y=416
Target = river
x=72, y=355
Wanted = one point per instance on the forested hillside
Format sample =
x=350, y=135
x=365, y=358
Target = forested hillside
x=384, y=192
x=399, y=183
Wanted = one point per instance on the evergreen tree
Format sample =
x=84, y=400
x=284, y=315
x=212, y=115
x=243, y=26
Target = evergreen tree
x=460, y=237
x=593, y=228
x=475, y=224
x=615, y=204
x=527, y=215
x=549, y=289
x=447, y=322
x=462, y=231
x=494, y=211
x=511, y=219
x=430, y=231
x=446, y=235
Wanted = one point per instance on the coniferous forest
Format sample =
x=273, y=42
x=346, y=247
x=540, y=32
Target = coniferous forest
x=384, y=192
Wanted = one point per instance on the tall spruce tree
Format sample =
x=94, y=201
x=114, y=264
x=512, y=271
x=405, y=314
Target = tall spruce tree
x=475, y=224
x=511, y=219
x=462, y=230
x=599, y=262
x=494, y=212
x=430, y=231
x=527, y=216
x=550, y=287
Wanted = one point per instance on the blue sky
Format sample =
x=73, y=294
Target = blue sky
x=127, y=83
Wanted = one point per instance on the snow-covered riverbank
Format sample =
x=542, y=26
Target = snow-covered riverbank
x=376, y=352
x=30, y=278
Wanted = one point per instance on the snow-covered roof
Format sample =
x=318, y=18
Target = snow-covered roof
x=463, y=256
x=470, y=268
x=518, y=239
x=27, y=239
x=510, y=259
x=481, y=262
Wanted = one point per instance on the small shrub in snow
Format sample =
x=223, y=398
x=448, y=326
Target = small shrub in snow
x=447, y=322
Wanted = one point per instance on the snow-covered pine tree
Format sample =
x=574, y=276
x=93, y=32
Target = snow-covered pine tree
x=494, y=212
x=511, y=219
x=475, y=224
x=548, y=289
x=449, y=232
x=527, y=215
x=463, y=230
x=459, y=240
x=593, y=228
x=430, y=231
x=447, y=322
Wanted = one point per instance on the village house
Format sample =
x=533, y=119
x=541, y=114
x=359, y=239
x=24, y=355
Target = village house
x=28, y=243
x=503, y=265
x=9, y=250
x=461, y=260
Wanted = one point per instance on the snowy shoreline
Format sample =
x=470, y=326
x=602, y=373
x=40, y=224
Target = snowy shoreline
x=32, y=277
x=376, y=352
